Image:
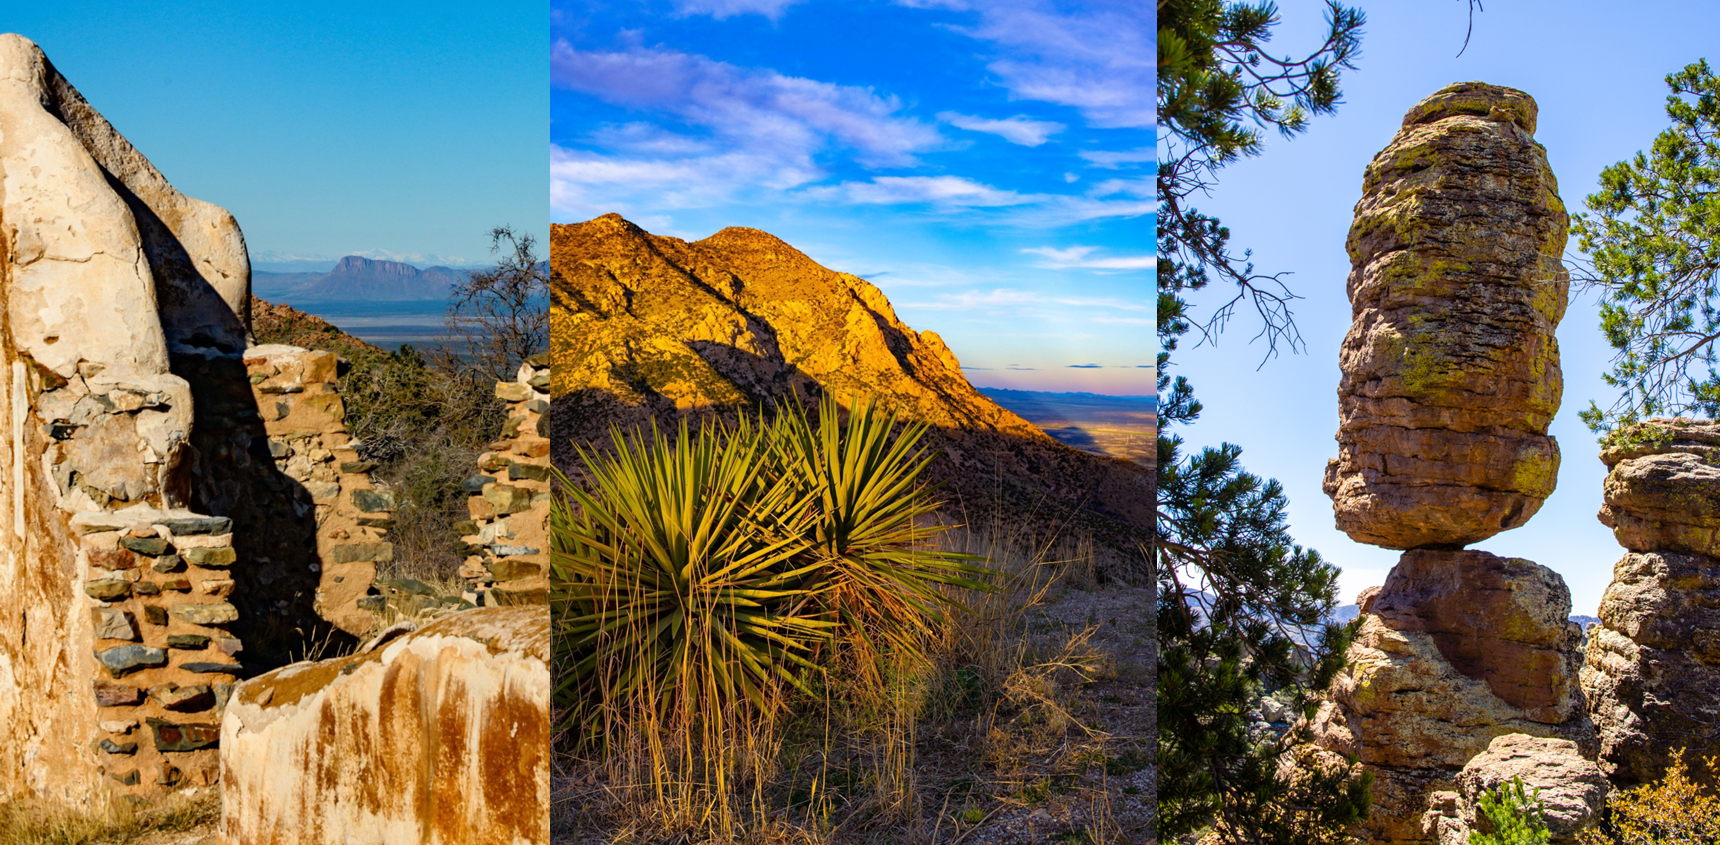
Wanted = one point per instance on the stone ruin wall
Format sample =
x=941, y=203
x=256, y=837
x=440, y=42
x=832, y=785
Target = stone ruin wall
x=174, y=495
x=508, y=535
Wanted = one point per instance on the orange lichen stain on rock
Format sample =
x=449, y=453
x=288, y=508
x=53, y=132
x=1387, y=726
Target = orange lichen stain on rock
x=520, y=725
x=448, y=767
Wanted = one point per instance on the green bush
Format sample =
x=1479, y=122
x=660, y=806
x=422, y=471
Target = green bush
x=719, y=568
x=1516, y=817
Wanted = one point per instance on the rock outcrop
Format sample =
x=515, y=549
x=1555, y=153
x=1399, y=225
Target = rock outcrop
x=1450, y=369
x=1458, y=647
x=1450, y=381
x=439, y=736
x=1569, y=786
x=1653, y=662
x=649, y=327
x=508, y=534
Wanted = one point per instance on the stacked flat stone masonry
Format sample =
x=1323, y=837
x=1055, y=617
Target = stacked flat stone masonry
x=508, y=535
x=297, y=394
x=158, y=585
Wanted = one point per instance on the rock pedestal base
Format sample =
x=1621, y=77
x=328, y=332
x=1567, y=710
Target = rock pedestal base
x=1457, y=648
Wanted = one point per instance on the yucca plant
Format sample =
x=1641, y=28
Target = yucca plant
x=723, y=567
x=879, y=572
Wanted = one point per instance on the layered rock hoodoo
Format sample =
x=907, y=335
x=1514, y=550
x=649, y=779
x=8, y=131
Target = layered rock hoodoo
x=1653, y=661
x=645, y=326
x=1457, y=648
x=1450, y=368
x=1450, y=380
x=439, y=736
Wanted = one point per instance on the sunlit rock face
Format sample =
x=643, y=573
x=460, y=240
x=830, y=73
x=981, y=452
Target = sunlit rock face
x=436, y=737
x=1458, y=647
x=1450, y=368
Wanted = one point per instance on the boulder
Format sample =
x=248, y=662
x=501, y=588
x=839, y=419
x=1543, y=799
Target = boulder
x=440, y=735
x=1570, y=788
x=1457, y=648
x=1450, y=368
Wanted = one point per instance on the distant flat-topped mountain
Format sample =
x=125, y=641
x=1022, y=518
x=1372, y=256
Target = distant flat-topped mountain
x=646, y=326
x=355, y=278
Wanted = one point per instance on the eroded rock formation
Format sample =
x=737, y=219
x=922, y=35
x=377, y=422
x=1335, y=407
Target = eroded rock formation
x=1571, y=789
x=1653, y=662
x=1458, y=647
x=1450, y=380
x=436, y=737
x=1450, y=369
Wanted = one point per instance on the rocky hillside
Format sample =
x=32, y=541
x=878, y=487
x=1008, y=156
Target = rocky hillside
x=649, y=326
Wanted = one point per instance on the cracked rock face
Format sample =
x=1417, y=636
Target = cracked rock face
x=1653, y=661
x=1450, y=368
x=1571, y=789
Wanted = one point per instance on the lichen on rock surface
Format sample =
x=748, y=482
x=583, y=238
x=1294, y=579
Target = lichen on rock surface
x=1451, y=368
x=1458, y=647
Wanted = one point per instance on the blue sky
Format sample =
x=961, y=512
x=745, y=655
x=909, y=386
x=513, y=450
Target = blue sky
x=386, y=128
x=984, y=163
x=1599, y=78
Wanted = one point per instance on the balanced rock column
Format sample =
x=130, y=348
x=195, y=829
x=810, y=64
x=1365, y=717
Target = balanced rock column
x=1652, y=670
x=1450, y=368
x=1450, y=380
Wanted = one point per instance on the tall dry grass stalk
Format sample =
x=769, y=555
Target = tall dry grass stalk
x=842, y=765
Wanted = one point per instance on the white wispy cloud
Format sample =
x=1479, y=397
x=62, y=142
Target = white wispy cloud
x=759, y=109
x=948, y=191
x=1115, y=159
x=1082, y=257
x=1097, y=58
x=1019, y=129
x=721, y=9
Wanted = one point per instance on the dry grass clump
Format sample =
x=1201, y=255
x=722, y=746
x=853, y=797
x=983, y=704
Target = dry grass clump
x=28, y=823
x=999, y=727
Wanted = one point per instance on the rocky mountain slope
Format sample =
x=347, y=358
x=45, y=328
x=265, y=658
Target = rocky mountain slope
x=648, y=326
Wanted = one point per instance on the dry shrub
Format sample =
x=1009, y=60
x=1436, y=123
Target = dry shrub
x=1674, y=809
x=850, y=764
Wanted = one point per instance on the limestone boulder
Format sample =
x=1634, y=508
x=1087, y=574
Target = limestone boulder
x=440, y=735
x=1570, y=788
x=1450, y=368
x=1456, y=648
